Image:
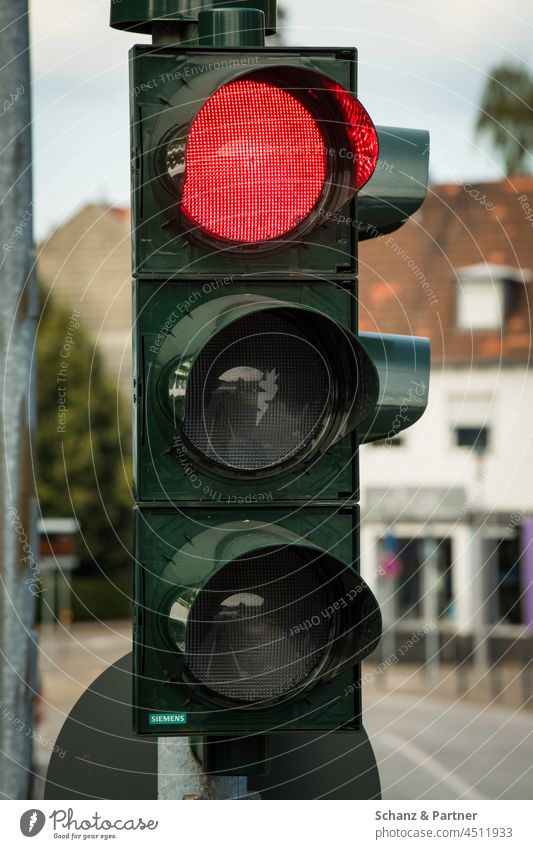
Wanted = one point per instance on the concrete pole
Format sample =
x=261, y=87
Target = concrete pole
x=18, y=308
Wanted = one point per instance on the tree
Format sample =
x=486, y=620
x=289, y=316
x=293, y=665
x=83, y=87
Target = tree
x=82, y=433
x=506, y=116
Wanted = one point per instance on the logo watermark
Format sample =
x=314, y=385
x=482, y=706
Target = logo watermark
x=61, y=377
x=32, y=822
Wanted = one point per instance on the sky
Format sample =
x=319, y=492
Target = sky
x=422, y=64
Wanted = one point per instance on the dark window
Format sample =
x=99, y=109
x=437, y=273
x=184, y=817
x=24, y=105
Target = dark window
x=472, y=437
x=508, y=589
x=409, y=583
x=393, y=442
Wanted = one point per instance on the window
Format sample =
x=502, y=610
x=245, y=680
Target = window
x=409, y=579
x=393, y=442
x=508, y=582
x=480, y=304
x=471, y=416
x=472, y=437
x=484, y=295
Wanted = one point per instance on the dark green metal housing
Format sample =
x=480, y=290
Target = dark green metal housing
x=168, y=87
x=403, y=365
x=176, y=551
x=140, y=15
x=196, y=518
x=381, y=388
x=164, y=467
x=399, y=184
x=234, y=27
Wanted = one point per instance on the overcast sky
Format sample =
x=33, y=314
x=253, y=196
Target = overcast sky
x=422, y=63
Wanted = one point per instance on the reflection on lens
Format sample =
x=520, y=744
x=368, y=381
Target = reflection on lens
x=257, y=395
x=257, y=629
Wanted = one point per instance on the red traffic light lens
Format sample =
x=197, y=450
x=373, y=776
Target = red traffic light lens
x=267, y=155
x=256, y=163
x=362, y=136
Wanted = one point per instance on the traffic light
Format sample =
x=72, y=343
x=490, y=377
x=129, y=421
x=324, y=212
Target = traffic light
x=255, y=171
x=244, y=155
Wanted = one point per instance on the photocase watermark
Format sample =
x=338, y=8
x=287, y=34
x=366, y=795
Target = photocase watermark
x=327, y=612
x=19, y=229
x=32, y=822
x=392, y=659
x=354, y=156
x=412, y=266
x=526, y=207
x=28, y=557
x=417, y=390
x=184, y=307
x=477, y=195
x=438, y=156
x=64, y=820
x=10, y=100
x=190, y=71
x=28, y=731
x=212, y=493
x=64, y=365
x=390, y=242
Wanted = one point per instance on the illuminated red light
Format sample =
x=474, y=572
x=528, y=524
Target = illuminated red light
x=256, y=163
x=361, y=134
x=259, y=159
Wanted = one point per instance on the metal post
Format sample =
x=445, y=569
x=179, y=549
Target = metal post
x=173, y=32
x=180, y=774
x=18, y=308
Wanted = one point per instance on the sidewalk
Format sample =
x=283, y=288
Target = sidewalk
x=507, y=685
x=69, y=661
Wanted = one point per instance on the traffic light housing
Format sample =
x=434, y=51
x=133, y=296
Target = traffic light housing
x=255, y=172
x=250, y=624
x=210, y=428
x=199, y=211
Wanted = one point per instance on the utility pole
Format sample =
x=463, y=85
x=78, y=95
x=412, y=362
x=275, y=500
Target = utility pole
x=18, y=308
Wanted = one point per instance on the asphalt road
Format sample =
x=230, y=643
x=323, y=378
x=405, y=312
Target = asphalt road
x=429, y=748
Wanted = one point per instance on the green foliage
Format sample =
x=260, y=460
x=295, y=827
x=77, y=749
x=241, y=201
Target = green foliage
x=506, y=116
x=84, y=440
x=101, y=599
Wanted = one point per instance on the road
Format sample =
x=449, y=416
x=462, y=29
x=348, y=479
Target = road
x=426, y=747
x=429, y=748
